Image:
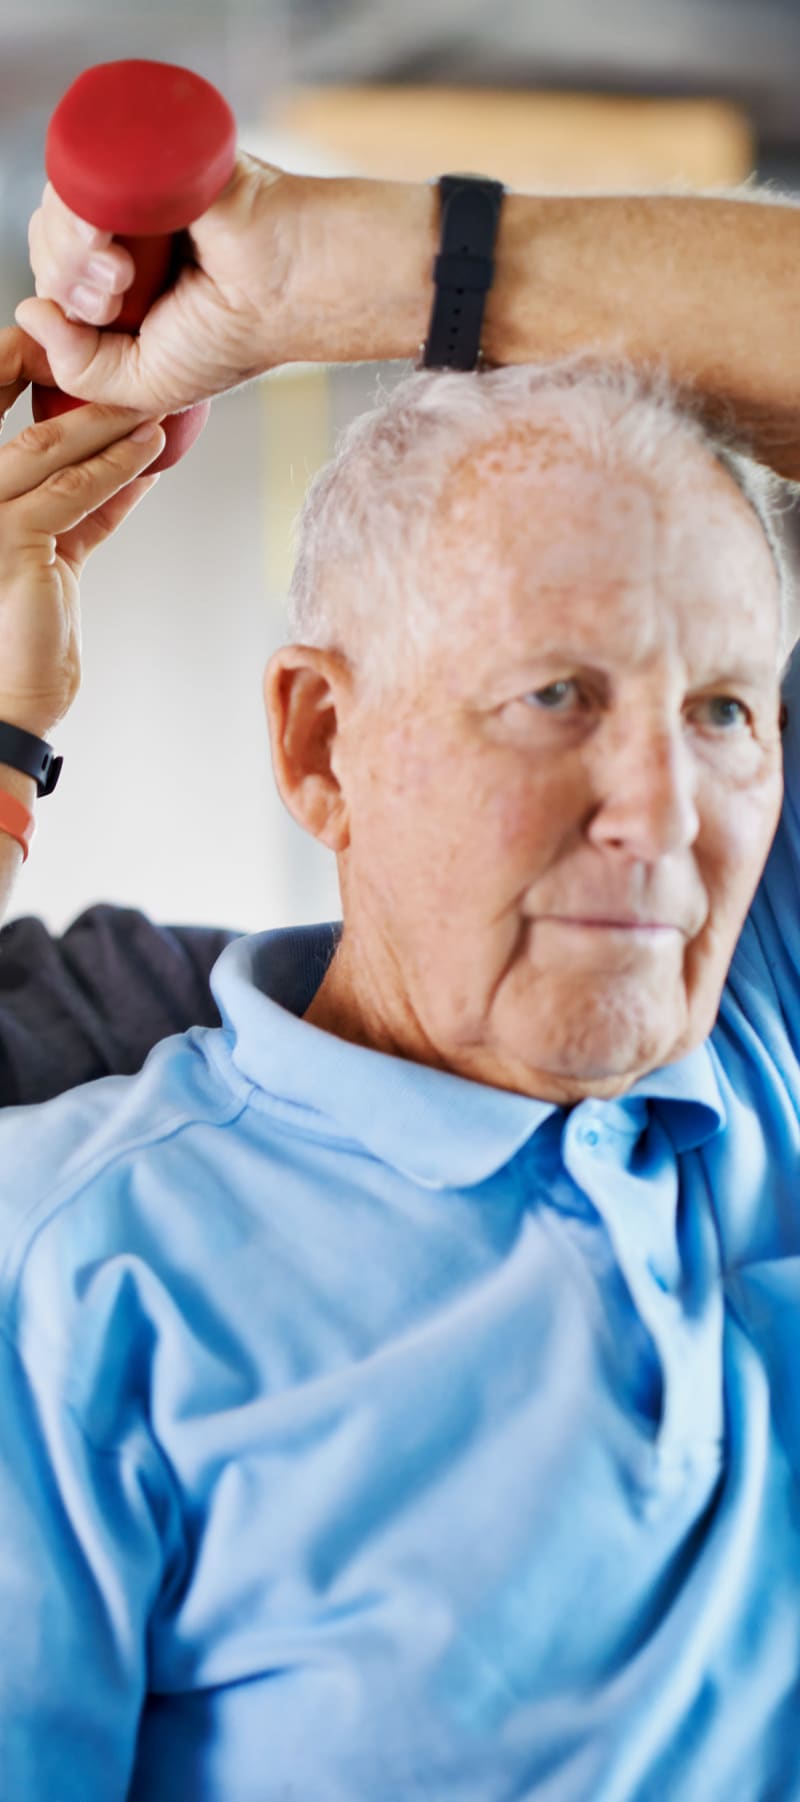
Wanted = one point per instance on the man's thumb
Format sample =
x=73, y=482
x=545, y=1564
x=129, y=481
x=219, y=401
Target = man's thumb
x=72, y=347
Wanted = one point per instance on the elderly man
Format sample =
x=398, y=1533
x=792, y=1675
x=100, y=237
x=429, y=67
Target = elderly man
x=285, y=267
x=399, y=1389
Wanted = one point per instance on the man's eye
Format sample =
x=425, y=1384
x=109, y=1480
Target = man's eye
x=726, y=711
x=552, y=698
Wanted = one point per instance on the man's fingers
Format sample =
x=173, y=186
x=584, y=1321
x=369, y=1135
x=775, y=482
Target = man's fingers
x=82, y=273
x=61, y=247
x=86, y=362
x=63, y=259
x=54, y=223
x=72, y=349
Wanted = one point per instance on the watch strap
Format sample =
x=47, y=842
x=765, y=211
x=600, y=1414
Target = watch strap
x=30, y=755
x=463, y=270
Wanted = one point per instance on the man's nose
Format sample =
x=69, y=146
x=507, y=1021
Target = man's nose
x=647, y=796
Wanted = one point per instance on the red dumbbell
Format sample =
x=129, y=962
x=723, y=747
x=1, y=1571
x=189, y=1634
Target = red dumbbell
x=140, y=149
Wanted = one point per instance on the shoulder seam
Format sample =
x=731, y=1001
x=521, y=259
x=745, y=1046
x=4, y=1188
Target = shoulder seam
x=80, y=1180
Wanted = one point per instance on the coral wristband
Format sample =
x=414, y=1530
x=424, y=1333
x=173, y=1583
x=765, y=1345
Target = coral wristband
x=17, y=821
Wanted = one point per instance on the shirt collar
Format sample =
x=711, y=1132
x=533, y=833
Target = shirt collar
x=439, y=1129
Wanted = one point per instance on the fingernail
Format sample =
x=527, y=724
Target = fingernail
x=102, y=273
x=145, y=431
x=86, y=300
x=85, y=230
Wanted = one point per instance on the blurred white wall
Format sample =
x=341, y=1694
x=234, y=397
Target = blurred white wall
x=167, y=800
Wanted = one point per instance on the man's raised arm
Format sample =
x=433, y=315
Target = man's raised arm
x=709, y=287
x=287, y=268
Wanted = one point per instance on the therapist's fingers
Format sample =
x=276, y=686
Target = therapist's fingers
x=76, y=545
x=22, y=361
x=68, y=497
x=56, y=450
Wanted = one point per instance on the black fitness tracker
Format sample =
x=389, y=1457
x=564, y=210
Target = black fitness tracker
x=30, y=755
x=463, y=270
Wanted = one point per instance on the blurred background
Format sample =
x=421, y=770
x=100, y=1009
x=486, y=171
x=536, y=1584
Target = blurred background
x=166, y=801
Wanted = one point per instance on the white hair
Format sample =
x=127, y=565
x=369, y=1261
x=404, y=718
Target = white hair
x=363, y=536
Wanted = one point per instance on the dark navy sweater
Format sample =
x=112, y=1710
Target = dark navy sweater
x=96, y=1000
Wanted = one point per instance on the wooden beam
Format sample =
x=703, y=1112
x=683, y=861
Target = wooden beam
x=544, y=141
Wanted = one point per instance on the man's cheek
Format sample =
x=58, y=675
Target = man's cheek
x=751, y=827
x=522, y=825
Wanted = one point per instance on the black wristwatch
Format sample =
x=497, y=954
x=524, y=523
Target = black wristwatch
x=30, y=755
x=463, y=270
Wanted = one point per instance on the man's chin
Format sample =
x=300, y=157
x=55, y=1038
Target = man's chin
x=600, y=1047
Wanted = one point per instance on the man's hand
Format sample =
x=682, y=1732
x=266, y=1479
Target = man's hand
x=209, y=333
x=65, y=486
x=281, y=269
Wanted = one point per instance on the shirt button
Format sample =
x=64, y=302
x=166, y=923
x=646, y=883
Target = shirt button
x=590, y=1135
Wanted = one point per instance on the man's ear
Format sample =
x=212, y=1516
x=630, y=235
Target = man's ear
x=306, y=692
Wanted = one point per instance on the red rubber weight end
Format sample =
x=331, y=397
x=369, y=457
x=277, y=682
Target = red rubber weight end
x=181, y=428
x=140, y=148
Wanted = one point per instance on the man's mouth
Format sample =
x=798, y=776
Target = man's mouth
x=619, y=923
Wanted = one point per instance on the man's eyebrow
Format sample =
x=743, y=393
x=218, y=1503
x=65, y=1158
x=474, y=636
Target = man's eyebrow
x=749, y=674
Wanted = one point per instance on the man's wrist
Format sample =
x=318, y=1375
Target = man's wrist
x=364, y=291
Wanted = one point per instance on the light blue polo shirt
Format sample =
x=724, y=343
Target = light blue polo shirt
x=370, y=1435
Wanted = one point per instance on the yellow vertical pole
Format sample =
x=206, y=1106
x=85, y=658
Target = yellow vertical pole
x=297, y=441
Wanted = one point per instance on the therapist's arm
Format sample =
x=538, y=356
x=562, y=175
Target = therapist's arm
x=65, y=486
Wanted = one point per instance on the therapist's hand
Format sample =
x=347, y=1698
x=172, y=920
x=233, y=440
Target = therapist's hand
x=281, y=269
x=65, y=486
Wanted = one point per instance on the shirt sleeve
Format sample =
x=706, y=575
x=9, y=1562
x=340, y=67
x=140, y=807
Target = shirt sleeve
x=80, y=1570
x=95, y=1544
x=95, y=1001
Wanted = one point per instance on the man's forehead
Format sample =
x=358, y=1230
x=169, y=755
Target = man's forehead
x=609, y=561
x=547, y=485
x=574, y=528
